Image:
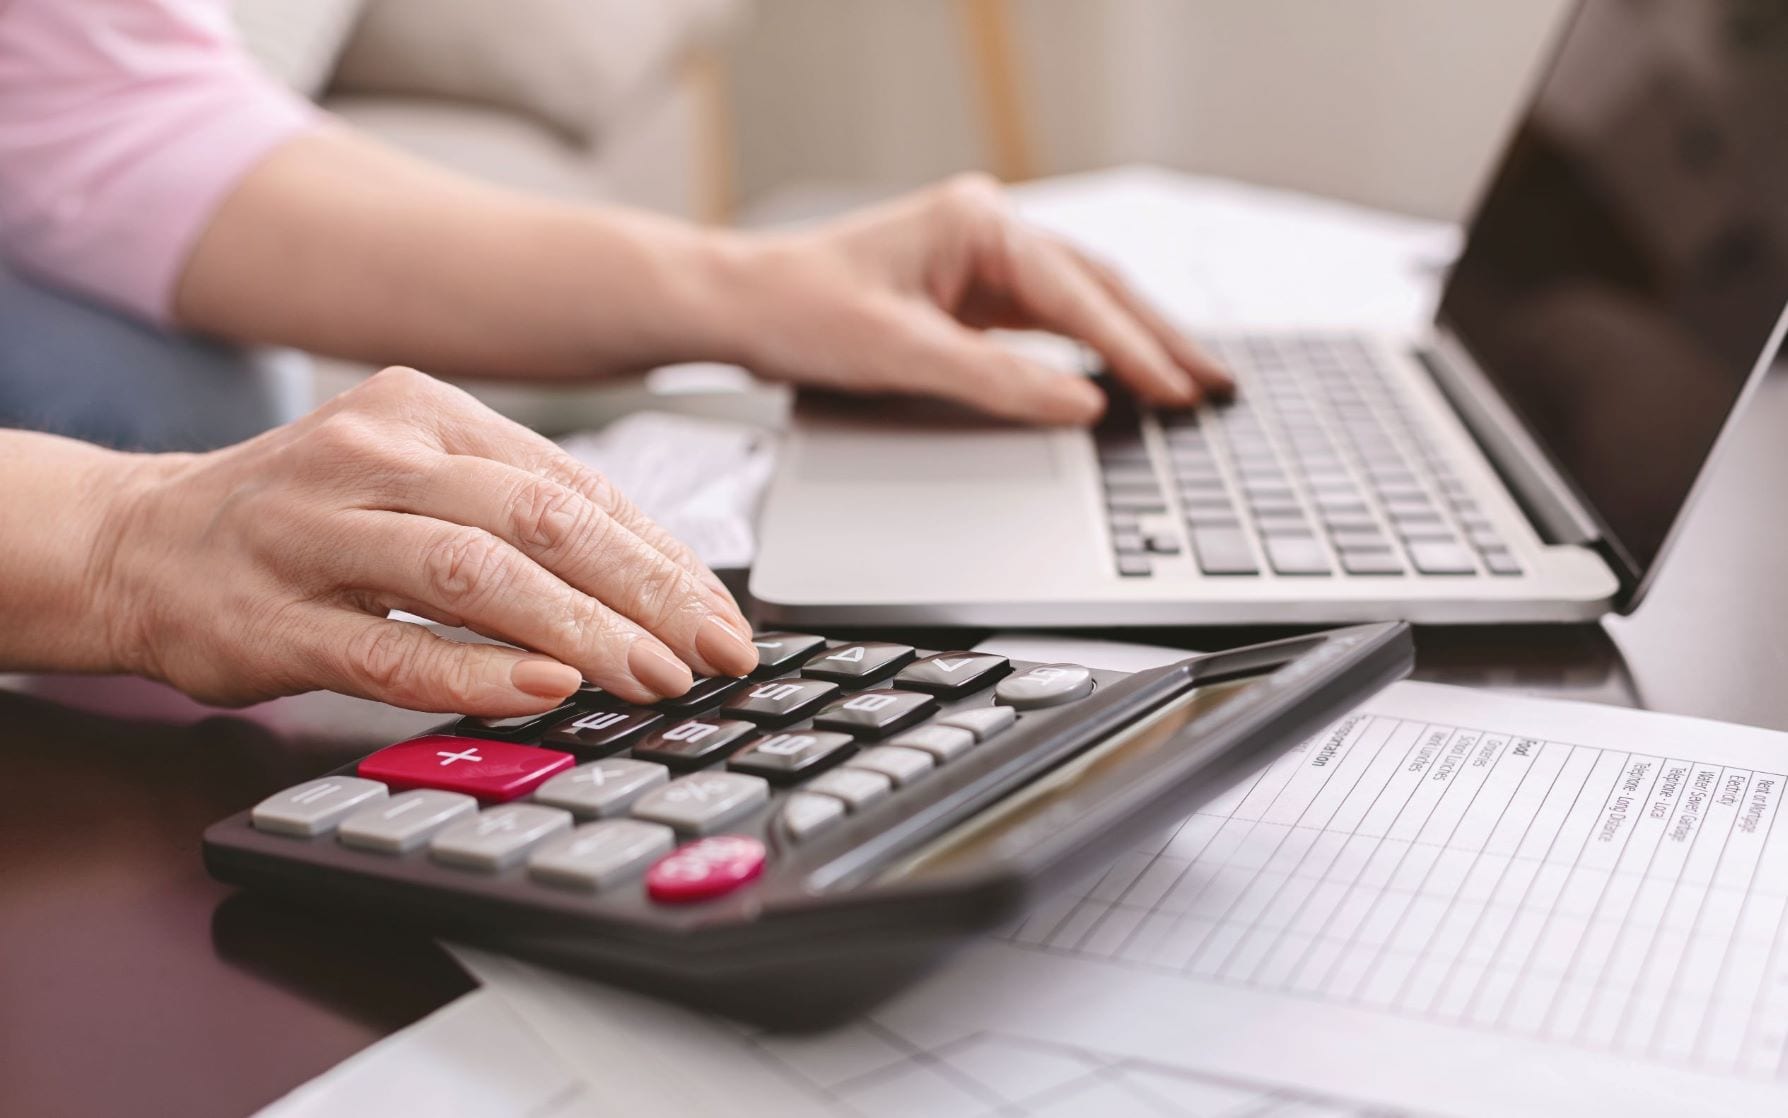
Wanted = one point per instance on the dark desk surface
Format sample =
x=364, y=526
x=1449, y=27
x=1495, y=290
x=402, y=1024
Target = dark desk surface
x=131, y=983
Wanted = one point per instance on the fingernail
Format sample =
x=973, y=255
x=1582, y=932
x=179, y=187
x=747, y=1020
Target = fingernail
x=545, y=679
x=727, y=610
x=1088, y=401
x=663, y=673
x=720, y=645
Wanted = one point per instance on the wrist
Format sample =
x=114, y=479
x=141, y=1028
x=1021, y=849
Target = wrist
x=118, y=602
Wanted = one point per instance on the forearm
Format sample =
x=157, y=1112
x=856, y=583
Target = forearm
x=58, y=526
x=340, y=246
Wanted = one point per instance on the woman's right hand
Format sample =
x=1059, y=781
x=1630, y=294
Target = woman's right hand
x=268, y=568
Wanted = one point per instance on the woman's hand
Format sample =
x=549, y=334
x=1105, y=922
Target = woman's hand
x=267, y=568
x=893, y=300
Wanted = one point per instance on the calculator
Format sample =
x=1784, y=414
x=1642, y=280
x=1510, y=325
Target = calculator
x=792, y=847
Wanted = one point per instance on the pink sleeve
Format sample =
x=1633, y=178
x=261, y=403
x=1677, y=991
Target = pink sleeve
x=123, y=125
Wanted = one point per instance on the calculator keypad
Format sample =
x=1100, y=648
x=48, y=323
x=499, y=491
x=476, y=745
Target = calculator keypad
x=617, y=793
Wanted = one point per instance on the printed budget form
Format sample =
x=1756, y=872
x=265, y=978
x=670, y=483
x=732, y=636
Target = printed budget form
x=1450, y=902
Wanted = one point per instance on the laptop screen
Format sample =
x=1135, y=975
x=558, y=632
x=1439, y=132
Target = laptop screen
x=1628, y=265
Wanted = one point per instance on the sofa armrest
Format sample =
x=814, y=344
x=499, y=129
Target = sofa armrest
x=572, y=64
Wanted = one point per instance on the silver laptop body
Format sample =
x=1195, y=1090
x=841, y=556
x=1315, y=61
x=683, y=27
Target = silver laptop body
x=1527, y=459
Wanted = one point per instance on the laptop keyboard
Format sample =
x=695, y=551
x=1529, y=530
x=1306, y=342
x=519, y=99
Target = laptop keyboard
x=1317, y=468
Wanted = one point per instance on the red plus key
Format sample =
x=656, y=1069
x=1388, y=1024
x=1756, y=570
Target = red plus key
x=493, y=771
x=705, y=869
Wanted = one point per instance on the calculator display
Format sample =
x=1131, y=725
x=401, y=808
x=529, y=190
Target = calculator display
x=1011, y=824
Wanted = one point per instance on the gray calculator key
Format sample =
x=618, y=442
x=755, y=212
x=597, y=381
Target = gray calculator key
x=876, y=714
x=497, y=839
x=601, y=787
x=858, y=663
x=1134, y=566
x=404, y=822
x=858, y=788
x=703, y=801
x=805, y=814
x=983, y=722
x=1044, y=686
x=597, y=855
x=901, y=765
x=1501, y=561
x=316, y=806
x=944, y=743
x=1222, y=551
x=792, y=754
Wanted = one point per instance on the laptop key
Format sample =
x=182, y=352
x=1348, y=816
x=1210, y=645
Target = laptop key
x=1223, y=551
x=1501, y=561
x=1370, y=561
x=1297, y=555
x=1441, y=558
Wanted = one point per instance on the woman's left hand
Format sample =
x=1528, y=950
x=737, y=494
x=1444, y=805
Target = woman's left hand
x=894, y=299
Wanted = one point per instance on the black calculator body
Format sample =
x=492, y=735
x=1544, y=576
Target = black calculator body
x=858, y=840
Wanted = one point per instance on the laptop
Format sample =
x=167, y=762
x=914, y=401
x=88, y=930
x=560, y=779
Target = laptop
x=1526, y=458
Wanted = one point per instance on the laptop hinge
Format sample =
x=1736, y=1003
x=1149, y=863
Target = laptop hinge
x=1558, y=513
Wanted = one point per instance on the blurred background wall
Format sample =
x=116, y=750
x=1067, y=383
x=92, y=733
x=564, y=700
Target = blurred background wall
x=1395, y=103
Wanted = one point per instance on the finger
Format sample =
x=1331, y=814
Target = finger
x=406, y=665
x=1059, y=293
x=474, y=429
x=941, y=358
x=564, y=532
x=1184, y=351
x=471, y=574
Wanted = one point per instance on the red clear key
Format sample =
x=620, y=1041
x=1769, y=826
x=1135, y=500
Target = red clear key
x=705, y=869
x=493, y=771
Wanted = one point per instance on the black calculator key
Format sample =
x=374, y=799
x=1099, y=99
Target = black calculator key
x=876, y=714
x=778, y=652
x=777, y=702
x=515, y=726
x=953, y=674
x=694, y=742
x=790, y=756
x=1045, y=686
x=706, y=691
x=598, y=733
x=858, y=663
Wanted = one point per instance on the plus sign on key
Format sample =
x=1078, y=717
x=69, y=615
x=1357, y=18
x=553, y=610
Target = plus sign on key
x=493, y=771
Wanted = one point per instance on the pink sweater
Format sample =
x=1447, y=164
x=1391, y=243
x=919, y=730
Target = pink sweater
x=123, y=125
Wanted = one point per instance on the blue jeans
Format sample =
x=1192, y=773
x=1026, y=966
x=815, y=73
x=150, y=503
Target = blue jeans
x=73, y=368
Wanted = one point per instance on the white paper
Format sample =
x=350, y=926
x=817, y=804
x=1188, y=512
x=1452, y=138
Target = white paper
x=700, y=479
x=474, y=1058
x=1451, y=902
